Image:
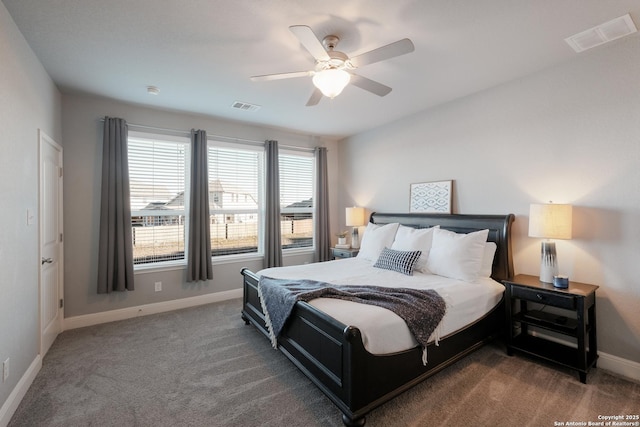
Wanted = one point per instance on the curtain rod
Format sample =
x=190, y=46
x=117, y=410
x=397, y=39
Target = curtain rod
x=228, y=138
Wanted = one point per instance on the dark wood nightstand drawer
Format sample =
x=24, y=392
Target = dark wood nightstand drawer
x=543, y=297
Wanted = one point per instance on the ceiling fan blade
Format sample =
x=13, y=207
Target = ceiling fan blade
x=385, y=52
x=279, y=76
x=310, y=42
x=370, y=85
x=316, y=96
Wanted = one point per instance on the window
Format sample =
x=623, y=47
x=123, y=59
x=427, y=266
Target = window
x=158, y=168
x=159, y=183
x=296, y=199
x=235, y=182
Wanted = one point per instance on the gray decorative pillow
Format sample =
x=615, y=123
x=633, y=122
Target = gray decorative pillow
x=400, y=261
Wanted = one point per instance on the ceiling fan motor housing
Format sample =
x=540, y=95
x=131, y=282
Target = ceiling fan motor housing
x=333, y=66
x=330, y=42
x=337, y=59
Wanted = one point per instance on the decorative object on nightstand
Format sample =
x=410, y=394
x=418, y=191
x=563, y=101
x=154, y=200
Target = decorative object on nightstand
x=355, y=218
x=549, y=221
x=342, y=240
x=573, y=315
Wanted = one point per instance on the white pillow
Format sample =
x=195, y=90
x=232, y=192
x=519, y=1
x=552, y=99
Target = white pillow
x=458, y=256
x=375, y=239
x=415, y=239
x=487, y=259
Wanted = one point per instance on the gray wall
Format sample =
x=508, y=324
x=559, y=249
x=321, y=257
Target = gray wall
x=569, y=134
x=82, y=157
x=29, y=101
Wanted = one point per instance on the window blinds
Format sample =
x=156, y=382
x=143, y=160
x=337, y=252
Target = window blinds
x=296, y=199
x=157, y=171
x=235, y=179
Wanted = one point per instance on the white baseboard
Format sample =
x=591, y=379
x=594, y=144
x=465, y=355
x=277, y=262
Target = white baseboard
x=617, y=365
x=14, y=399
x=144, y=310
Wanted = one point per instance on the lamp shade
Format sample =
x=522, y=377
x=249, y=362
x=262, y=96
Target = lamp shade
x=355, y=217
x=331, y=81
x=550, y=221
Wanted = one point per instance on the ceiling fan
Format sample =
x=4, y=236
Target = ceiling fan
x=333, y=69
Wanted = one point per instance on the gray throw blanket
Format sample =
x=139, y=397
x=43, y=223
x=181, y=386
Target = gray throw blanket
x=422, y=310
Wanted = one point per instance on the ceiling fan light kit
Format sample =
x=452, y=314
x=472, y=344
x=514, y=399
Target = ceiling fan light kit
x=333, y=68
x=331, y=81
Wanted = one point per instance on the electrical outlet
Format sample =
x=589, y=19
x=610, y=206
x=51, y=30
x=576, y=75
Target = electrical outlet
x=5, y=370
x=158, y=286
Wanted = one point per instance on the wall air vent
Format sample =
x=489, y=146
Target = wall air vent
x=603, y=33
x=245, y=106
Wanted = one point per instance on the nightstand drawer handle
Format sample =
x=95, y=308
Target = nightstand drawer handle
x=540, y=297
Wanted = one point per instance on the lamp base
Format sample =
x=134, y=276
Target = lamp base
x=355, y=238
x=548, y=262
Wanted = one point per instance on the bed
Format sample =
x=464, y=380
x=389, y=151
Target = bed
x=332, y=354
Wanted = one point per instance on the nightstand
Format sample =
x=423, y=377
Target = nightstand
x=569, y=312
x=344, y=253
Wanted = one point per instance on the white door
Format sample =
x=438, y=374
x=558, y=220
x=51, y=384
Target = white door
x=51, y=250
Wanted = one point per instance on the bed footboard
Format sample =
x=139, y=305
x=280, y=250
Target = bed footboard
x=333, y=356
x=319, y=345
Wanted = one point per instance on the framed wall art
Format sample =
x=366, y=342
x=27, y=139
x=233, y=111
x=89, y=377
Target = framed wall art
x=431, y=197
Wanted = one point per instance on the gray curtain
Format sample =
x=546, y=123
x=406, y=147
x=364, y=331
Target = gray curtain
x=272, y=234
x=321, y=201
x=115, y=249
x=199, y=255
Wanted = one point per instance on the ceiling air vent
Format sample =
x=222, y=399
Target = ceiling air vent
x=245, y=106
x=603, y=33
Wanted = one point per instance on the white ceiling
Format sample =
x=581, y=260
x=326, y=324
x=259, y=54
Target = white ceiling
x=201, y=53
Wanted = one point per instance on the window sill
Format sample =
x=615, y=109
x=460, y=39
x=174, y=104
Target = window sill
x=221, y=260
x=298, y=251
x=169, y=266
x=231, y=259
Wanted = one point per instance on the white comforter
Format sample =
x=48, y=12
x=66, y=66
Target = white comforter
x=383, y=331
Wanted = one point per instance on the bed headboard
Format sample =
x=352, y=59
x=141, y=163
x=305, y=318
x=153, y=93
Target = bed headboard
x=499, y=227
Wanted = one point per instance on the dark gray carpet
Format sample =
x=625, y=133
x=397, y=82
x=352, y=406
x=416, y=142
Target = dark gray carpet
x=203, y=367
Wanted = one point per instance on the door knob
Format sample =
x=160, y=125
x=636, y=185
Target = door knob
x=47, y=260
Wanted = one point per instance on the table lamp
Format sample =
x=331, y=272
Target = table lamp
x=355, y=218
x=549, y=221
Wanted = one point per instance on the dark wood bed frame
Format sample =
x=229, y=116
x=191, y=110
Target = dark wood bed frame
x=332, y=354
